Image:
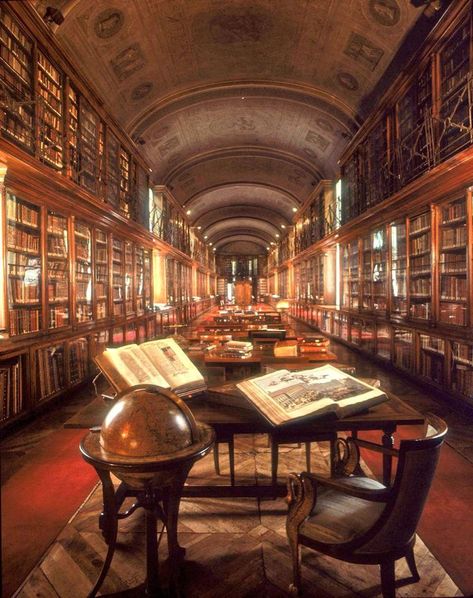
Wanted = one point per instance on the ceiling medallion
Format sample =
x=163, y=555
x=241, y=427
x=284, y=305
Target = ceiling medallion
x=385, y=12
x=347, y=81
x=141, y=91
x=108, y=23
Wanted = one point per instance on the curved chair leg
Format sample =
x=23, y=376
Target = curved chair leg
x=231, y=457
x=411, y=561
x=295, y=586
x=388, y=580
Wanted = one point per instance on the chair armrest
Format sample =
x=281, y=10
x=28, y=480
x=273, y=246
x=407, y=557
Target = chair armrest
x=381, y=495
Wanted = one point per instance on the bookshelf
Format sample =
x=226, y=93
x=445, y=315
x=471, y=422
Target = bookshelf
x=125, y=176
x=50, y=112
x=462, y=369
x=128, y=278
x=51, y=370
x=69, y=176
x=140, y=281
x=403, y=349
x=101, y=274
x=453, y=259
x=58, y=281
x=78, y=360
x=24, y=266
x=379, y=260
x=12, y=387
x=420, y=266
x=88, y=146
x=113, y=170
x=432, y=359
x=83, y=272
x=118, y=280
x=399, y=275
x=455, y=104
x=16, y=72
x=72, y=132
x=147, y=271
x=383, y=341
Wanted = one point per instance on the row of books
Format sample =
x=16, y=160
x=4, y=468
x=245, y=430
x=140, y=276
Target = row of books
x=452, y=263
x=18, y=239
x=15, y=63
x=420, y=286
x=83, y=312
x=432, y=366
x=11, y=388
x=78, y=360
x=58, y=316
x=453, y=313
x=83, y=250
x=453, y=237
x=420, y=223
x=453, y=288
x=463, y=380
x=13, y=29
x=420, y=244
x=421, y=311
x=51, y=370
x=21, y=292
x=57, y=246
x=453, y=212
x=23, y=321
x=20, y=212
x=18, y=49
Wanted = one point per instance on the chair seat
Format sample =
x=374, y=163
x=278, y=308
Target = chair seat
x=338, y=518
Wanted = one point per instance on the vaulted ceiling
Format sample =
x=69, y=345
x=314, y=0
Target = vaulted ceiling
x=240, y=106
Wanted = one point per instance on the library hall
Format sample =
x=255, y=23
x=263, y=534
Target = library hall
x=236, y=298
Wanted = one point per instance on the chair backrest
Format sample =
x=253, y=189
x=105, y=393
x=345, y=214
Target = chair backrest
x=415, y=471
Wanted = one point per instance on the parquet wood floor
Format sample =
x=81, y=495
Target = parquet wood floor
x=235, y=547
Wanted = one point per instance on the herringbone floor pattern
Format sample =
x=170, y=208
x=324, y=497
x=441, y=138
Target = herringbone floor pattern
x=235, y=547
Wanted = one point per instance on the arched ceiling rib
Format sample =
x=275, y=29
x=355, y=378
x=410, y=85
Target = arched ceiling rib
x=241, y=103
x=256, y=212
x=239, y=195
x=264, y=229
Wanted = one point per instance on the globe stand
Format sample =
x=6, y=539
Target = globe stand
x=157, y=483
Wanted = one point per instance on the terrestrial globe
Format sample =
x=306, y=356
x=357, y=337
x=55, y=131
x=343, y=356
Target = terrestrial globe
x=147, y=434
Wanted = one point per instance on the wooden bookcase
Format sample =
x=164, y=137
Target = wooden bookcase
x=76, y=250
x=48, y=111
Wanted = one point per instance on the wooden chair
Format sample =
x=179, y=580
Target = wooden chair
x=356, y=519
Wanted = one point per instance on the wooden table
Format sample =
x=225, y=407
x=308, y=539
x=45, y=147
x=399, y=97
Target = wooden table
x=229, y=413
x=237, y=368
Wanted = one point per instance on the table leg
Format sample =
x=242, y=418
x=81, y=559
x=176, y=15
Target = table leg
x=274, y=461
x=111, y=525
x=388, y=442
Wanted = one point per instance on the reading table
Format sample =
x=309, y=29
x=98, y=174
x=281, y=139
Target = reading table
x=229, y=413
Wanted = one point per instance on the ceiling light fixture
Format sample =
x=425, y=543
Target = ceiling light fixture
x=189, y=212
x=283, y=226
x=294, y=209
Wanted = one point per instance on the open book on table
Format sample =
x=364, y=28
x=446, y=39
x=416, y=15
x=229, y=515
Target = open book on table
x=284, y=396
x=161, y=362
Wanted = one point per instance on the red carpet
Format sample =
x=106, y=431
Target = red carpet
x=38, y=500
x=443, y=527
